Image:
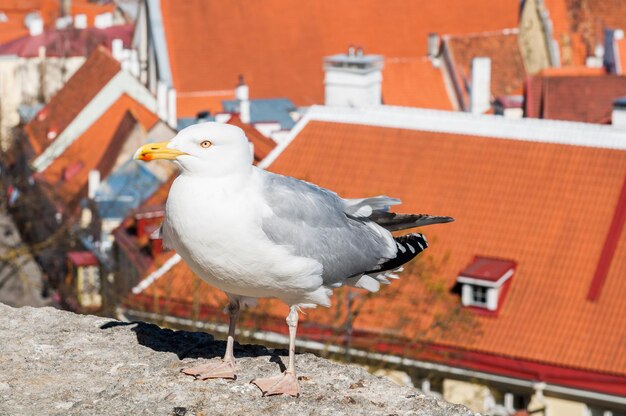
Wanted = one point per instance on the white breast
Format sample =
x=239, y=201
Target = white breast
x=215, y=226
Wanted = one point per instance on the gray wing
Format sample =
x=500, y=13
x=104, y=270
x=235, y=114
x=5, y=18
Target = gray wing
x=311, y=221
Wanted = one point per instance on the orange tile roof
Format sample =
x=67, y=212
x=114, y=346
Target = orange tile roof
x=79, y=90
x=507, y=66
x=279, y=44
x=571, y=71
x=581, y=24
x=571, y=44
x=16, y=11
x=414, y=82
x=491, y=187
x=91, y=9
x=546, y=206
x=97, y=148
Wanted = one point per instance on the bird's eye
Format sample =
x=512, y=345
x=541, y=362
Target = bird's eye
x=205, y=144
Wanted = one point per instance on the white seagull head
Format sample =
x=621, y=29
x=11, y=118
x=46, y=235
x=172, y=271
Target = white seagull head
x=205, y=149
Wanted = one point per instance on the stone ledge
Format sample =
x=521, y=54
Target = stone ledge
x=59, y=363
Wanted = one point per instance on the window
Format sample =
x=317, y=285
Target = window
x=479, y=295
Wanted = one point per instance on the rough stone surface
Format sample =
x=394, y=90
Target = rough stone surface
x=58, y=363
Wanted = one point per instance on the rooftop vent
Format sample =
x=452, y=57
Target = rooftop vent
x=353, y=79
x=483, y=282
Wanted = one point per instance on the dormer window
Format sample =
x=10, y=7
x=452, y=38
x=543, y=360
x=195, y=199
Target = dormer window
x=484, y=282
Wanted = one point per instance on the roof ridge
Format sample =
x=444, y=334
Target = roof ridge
x=505, y=31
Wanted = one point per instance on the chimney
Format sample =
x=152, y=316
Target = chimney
x=480, y=93
x=353, y=79
x=93, y=183
x=242, y=95
x=103, y=21
x=34, y=23
x=117, y=49
x=80, y=21
x=171, y=108
x=433, y=45
x=161, y=96
x=618, y=116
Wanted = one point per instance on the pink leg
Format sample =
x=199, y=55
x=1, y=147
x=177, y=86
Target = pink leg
x=226, y=367
x=286, y=383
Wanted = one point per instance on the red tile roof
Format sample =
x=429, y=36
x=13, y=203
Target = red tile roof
x=507, y=66
x=64, y=43
x=97, y=148
x=414, y=82
x=279, y=44
x=546, y=206
x=575, y=98
x=79, y=90
x=486, y=268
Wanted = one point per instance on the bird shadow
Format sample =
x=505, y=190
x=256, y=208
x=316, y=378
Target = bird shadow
x=186, y=344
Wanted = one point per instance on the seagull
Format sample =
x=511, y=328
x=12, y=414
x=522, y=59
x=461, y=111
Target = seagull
x=256, y=234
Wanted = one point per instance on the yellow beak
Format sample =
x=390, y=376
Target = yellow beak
x=152, y=151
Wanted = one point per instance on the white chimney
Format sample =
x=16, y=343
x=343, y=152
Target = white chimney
x=80, y=21
x=161, y=100
x=618, y=116
x=353, y=79
x=433, y=45
x=171, y=108
x=117, y=49
x=63, y=22
x=104, y=20
x=93, y=183
x=242, y=94
x=480, y=94
x=244, y=111
x=34, y=23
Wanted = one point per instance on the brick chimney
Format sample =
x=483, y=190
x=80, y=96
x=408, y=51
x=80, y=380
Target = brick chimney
x=353, y=79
